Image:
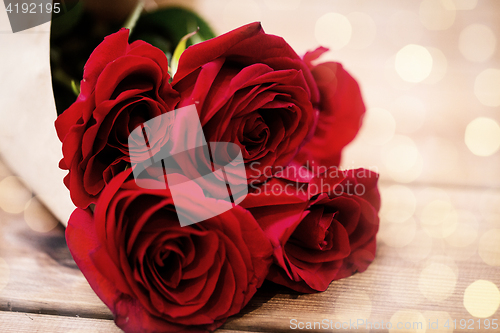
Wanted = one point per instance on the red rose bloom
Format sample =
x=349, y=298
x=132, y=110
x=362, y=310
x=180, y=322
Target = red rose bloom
x=123, y=86
x=341, y=112
x=322, y=230
x=251, y=89
x=157, y=276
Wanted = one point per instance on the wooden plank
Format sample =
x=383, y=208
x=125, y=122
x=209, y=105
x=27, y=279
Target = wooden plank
x=43, y=282
x=19, y=322
x=43, y=278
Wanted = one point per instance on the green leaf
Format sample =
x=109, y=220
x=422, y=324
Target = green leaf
x=172, y=24
x=75, y=87
x=178, y=51
x=67, y=19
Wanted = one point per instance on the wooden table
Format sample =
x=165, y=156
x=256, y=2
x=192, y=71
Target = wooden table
x=438, y=256
x=421, y=271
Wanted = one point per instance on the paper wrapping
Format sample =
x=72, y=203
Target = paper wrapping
x=28, y=140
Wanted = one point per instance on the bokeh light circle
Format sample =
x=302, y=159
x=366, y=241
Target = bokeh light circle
x=38, y=217
x=333, y=30
x=413, y=63
x=399, y=203
x=482, y=136
x=489, y=247
x=402, y=159
x=437, y=282
x=13, y=195
x=482, y=298
x=437, y=14
x=412, y=321
x=487, y=86
x=439, y=219
x=477, y=42
x=364, y=30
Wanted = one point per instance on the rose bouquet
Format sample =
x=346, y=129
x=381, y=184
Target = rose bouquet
x=255, y=174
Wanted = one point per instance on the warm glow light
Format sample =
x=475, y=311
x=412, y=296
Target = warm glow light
x=482, y=136
x=413, y=63
x=405, y=282
x=409, y=113
x=378, y=127
x=282, y=4
x=464, y=4
x=477, y=42
x=13, y=195
x=38, y=217
x=430, y=194
x=418, y=249
x=397, y=234
x=399, y=203
x=4, y=274
x=442, y=158
x=489, y=247
x=489, y=205
x=413, y=321
x=352, y=305
x=4, y=171
x=364, y=30
x=333, y=30
x=392, y=76
x=402, y=154
x=405, y=27
x=439, y=66
x=436, y=318
x=437, y=14
x=482, y=298
x=466, y=231
x=439, y=219
x=437, y=282
x=487, y=86
x=402, y=159
x=238, y=12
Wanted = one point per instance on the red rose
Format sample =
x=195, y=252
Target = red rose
x=123, y=86
x=341, y=112
x=156, y=276
x=251, y=89
x=322, y=229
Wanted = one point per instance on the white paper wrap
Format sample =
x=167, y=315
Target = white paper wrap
x=28, y=140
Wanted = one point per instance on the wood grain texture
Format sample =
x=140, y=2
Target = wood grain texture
x=18, y=322
x=44, y=284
